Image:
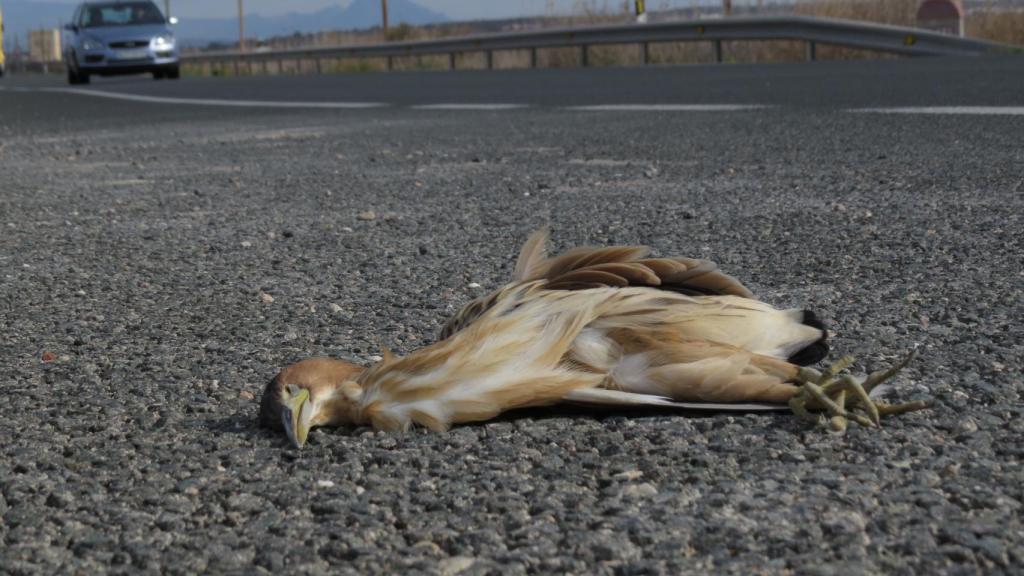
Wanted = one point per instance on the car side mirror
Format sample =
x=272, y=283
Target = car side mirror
x=71, y=27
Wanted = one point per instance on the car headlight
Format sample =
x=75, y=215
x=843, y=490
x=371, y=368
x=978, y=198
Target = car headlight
x=91, y=44
x=163, y=41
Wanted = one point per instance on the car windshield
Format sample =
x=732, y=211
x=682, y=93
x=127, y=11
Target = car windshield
x=121, y=14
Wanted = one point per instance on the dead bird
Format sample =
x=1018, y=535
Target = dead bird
x=604, y=326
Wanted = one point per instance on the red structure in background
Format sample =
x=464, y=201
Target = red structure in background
x=945, y=16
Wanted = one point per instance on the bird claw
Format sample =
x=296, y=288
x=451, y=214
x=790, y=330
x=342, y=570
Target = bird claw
x=843, y=397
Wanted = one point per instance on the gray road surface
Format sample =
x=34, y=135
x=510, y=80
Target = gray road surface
x=139, y=241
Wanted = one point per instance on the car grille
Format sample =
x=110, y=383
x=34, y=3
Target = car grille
x=130, y=44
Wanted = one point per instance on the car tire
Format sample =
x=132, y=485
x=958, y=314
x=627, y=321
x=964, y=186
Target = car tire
x=159, y=75
x=76, y=76
x=2, y=71
x=174, y=72
x=73, y=78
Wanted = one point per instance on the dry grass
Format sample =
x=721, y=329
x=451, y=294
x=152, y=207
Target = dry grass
x=895, y=12
x=1006, y=26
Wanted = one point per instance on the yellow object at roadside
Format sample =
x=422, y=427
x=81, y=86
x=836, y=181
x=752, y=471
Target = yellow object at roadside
x=3, y=64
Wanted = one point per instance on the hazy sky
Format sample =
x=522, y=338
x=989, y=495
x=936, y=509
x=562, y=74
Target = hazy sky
x=456, y=9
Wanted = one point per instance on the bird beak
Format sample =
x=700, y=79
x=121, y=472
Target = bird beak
x=297, y=415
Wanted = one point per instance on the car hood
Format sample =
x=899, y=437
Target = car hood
x=109, y=34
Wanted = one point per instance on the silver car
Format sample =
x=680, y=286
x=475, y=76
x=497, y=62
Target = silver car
x=107, y=38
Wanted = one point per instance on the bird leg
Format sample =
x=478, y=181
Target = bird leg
x=843, y=397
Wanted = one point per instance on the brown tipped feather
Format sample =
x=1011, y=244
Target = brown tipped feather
x=588, y=276
x=582, y=257
x=617, y=266
x=634, y=273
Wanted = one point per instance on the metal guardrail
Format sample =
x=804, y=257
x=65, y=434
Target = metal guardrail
x=813, y=31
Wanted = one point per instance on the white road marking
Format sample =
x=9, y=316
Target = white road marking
x=974, y=110
x=219, y=102
x=666, y=107
x=469, y=106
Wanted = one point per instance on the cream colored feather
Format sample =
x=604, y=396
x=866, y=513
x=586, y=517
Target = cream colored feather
x=593, y=324
x=534, y=346
x=531, y=256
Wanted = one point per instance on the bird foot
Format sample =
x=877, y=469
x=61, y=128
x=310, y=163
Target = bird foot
x=831, y=399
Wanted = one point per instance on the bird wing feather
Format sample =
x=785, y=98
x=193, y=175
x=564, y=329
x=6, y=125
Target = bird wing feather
x=511, y=357
x=616, y=266
x=536, y=347
x=533, y=253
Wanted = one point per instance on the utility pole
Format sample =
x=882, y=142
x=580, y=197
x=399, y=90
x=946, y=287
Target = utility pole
x=726, y=7
x=167, y=9
x=384, y=15
x=241, y=27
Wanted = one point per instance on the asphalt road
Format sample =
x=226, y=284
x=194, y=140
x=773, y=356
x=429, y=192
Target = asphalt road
x=161, y=261
x=928, y=82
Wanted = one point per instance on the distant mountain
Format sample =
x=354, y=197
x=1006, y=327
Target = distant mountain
x=20, y=16
x=366, y=14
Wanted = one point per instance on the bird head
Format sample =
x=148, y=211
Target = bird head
x=313, y=392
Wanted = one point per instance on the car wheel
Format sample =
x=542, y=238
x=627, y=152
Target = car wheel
x=174, y=72
x=159, y=75
x=76, y=76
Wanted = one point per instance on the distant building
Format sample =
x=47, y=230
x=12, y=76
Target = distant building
x=44, y=45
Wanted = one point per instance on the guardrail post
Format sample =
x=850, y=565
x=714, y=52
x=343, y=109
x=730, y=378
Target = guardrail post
x=533, y=57
x=318, y=68
x=584, y=56
x=490, y=59
x=451, y=60
x=812, y=51
x=718, y=51
x=391, y=63
x=647, y=53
